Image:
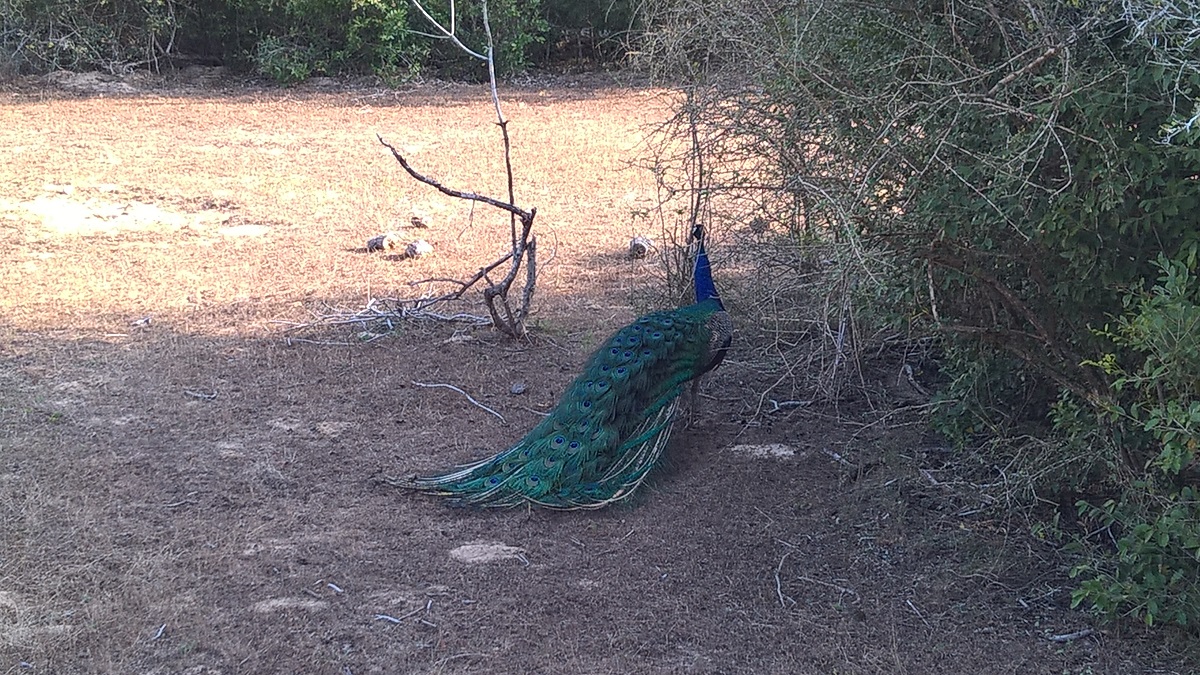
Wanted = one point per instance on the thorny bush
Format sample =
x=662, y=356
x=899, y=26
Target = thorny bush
x=1002, y=176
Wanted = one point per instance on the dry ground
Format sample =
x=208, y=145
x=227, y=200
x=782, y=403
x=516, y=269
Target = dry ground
x=194, y=494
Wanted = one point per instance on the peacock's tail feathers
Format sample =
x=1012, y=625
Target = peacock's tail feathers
x=612, y=424
x=610, y=427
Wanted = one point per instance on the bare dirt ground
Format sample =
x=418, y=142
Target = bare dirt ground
x=183, y=490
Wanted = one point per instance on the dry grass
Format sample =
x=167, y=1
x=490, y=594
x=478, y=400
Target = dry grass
x=261, y=196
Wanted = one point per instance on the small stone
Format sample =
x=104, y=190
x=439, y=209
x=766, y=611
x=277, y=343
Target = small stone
x=767, y=451
x=518, y=388
x=418, y=249
x=384, y=242
x=639, y=246
x=487, y=552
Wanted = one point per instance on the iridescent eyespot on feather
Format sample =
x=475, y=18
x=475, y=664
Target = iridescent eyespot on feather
x=621, y=371
x=558, y=441
x=627, y=355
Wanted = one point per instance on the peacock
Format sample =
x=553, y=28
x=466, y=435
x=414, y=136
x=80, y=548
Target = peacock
x=612, y=423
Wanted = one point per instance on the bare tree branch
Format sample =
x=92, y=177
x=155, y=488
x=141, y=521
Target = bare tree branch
x=515, y=210
x=524, y=244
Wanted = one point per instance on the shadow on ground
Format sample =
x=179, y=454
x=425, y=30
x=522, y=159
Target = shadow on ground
x=178, y=503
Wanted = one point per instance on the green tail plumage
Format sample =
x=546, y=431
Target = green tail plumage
x=612, y=423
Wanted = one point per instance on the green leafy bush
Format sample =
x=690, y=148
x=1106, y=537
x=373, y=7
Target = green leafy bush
x=290, y=40
x=113, y=36
x=1007, y=172
x=1154, y=571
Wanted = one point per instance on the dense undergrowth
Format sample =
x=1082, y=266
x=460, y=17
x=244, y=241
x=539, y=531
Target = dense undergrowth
x=292, y=40
x=1017, y=182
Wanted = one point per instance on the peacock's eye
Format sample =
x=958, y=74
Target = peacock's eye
x=621, y=370
x=574, y=445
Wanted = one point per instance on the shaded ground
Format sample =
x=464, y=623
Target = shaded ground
x=194, y=494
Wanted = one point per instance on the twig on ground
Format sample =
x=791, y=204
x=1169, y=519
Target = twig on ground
x=779, y=584
x=841, y=589
x=455, y=657
x=837, y=458
x=450, y=386
x=400, y=619
x=1068, y=637
x=776, y=406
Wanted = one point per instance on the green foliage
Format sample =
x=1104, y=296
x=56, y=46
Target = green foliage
x=285, y=63
x=596, y=30
x=1018, y=168
x=301, y=38
x=290, y=40
x=517, y=26
x=114, y=36
x=1154, y=571
x=331, y=37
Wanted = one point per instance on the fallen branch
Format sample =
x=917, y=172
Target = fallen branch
x=524, y=245
x=1068, y=637
x=450, y=386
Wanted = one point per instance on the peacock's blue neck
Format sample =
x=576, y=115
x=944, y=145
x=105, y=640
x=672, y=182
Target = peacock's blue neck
x=705, y=288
